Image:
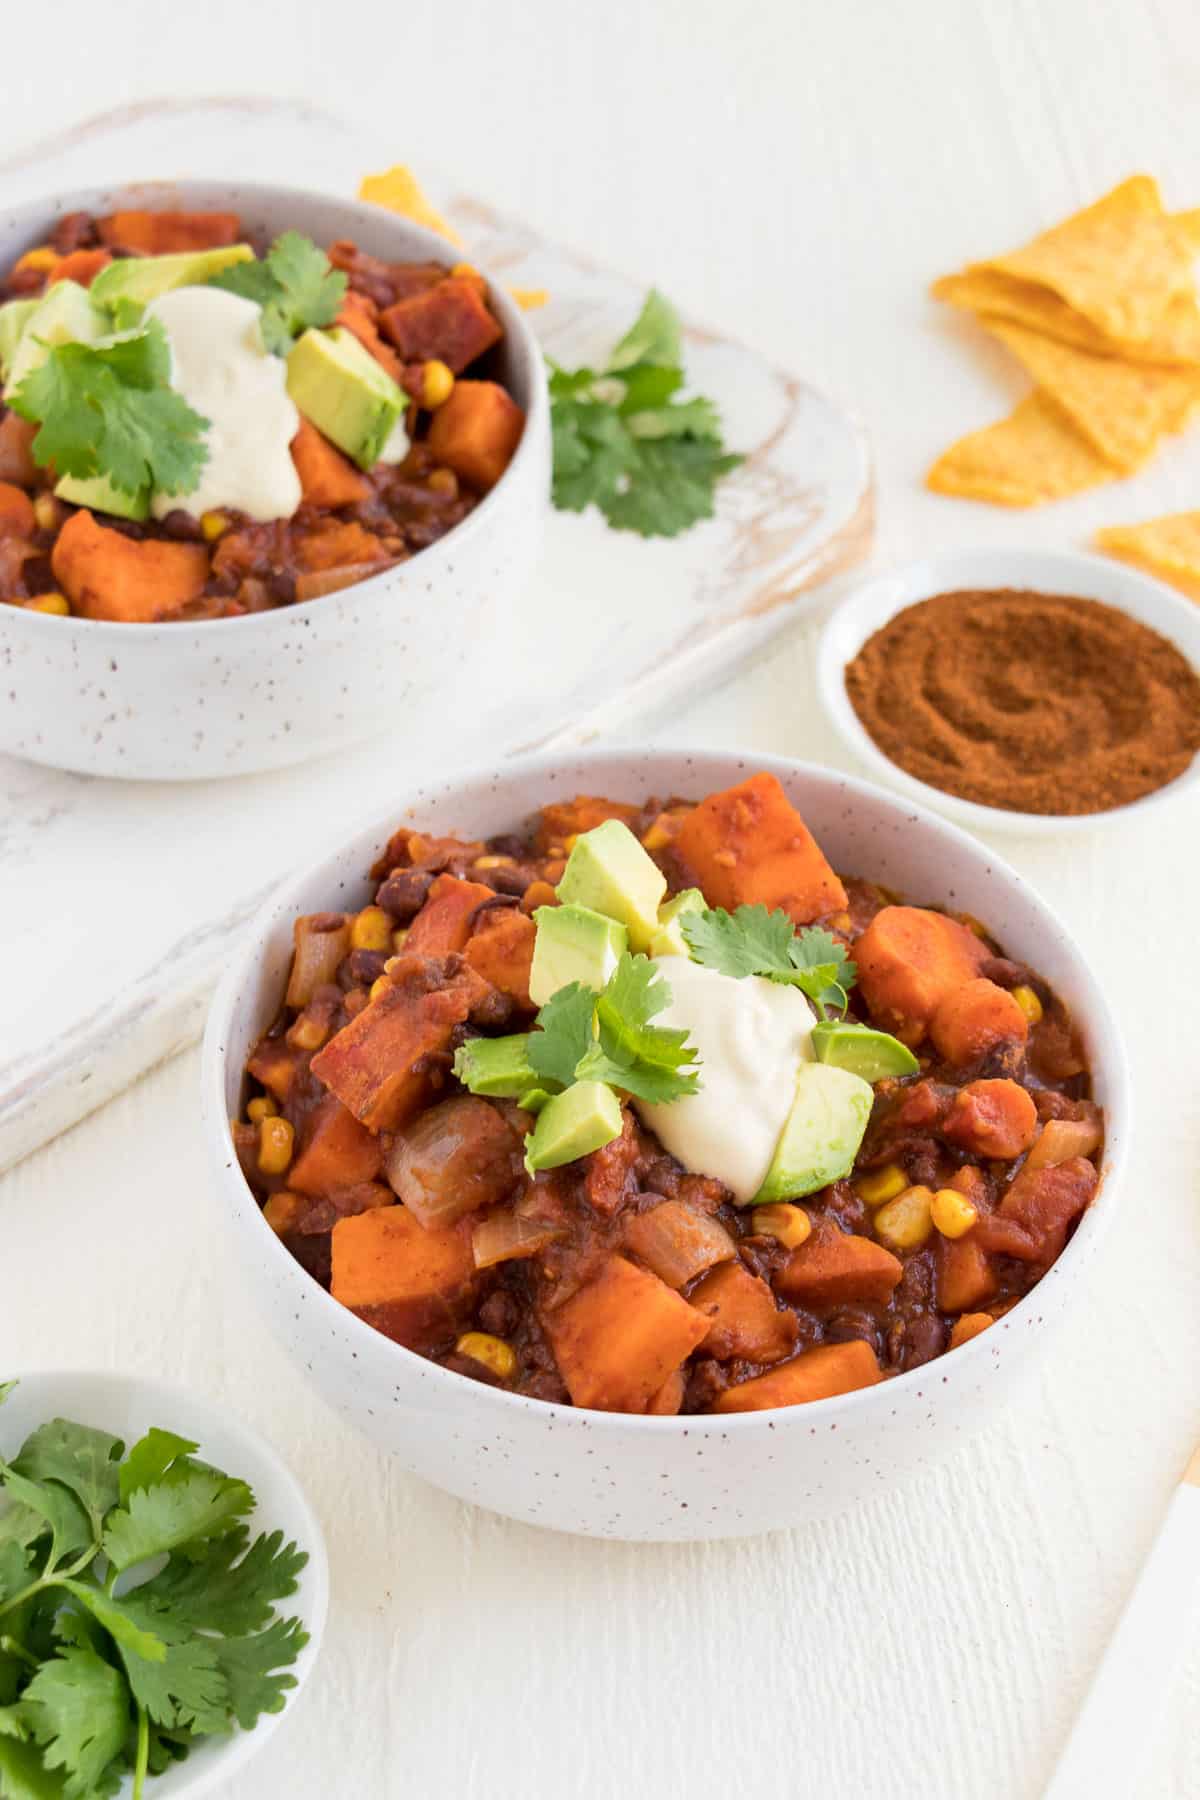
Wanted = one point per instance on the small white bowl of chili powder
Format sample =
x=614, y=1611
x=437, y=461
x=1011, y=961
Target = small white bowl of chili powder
x=1033, y=691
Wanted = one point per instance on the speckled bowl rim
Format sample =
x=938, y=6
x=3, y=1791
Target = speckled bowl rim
x=993, y=567
x=417, y=240
x=1102, y=1026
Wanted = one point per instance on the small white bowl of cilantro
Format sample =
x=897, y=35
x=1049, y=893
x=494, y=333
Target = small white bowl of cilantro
x=163, y=1588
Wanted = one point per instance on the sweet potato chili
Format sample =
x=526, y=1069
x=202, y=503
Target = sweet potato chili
x=549, y=1243
x=418, y=338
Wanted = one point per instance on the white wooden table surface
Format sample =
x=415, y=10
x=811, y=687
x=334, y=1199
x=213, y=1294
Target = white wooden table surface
x=796, y=172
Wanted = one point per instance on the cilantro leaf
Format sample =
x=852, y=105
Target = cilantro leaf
x=77, y=1708
x=150, y=1459
x=16, y=1567
x=185, y=1687
x=160, y=1518
x=564, y=1033
x=825, y=972
x=23, y=1774
x=753, y=941
x=669, y=487
x=655, y=337
x=230, y=1587
x=295, y=284
x=81, y=1458
x=106, y=409
x=6, y=1388
x=251, y=1668
x=122, y=1619
x=631, y=1053
x=12, y=1723
x=69, y=1526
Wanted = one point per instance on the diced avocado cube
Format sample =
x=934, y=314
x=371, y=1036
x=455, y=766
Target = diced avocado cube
x=669, y=940
x=98, y=494
x=572, y=1124
x=499, y=1067
x=64, y=315
x=573, y=943
x=820, y=1140
x=13, y=319
x=533, y=1099
x=144, y=278
x=864, y=1051
x=345, y=392
x=609, y=871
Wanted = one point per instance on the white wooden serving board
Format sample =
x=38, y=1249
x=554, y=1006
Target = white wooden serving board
x=119, y=901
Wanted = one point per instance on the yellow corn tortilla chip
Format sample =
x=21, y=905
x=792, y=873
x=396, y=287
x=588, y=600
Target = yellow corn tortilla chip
x=1032, y=456
x=1174, y=340
x=1120, y=262
x=529, y=299
x=1168, y=547
x=1188, y=226
x=1122, y=408
x=398, y=190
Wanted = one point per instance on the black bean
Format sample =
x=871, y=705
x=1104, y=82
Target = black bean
x=282, y=587
x=182, y=526
x=404, y=892
x=924, y=1338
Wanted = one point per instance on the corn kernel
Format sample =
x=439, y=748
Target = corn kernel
x=437, y=383
x=790, y=1225
x=538, y=893
x=50, y=603
x=283, y=1210
x=264, y=1107
x=308, y=1033
x=883, y=1184
x=371, y=929
x=491, y=1351
x=42, y=258
x=465, y=271
x=905, y=1222
x=276, y=1141
x=660, y=832
x=443, y=481
x=213, y=525
x=380, y=986
x=1028, y=1002
x=398, y=937
x=494, y=862
x=952, y=1213
x=46, y=512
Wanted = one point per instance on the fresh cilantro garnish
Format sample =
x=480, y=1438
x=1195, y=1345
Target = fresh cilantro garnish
x=95, y=1684
x=295, y=284
x=753, y=941
x=108, y=409
x=624, y=442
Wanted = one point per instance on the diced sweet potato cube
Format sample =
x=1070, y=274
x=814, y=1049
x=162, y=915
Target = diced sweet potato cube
x=274, y=1063
x=745, y=1321
x=16, y=450
x=994, y=1119
x=415, y=1286
x=1032, y=1220
x=338, y=544
x=162, y=233
x=975, y=1018
x=445, y=921
x=816, y=1375
x=968, y=1327
x=360, y=315
x=1061, y=1139
x=16, y=512
x=381, y=1065
x=669, y=1398
x=965, y=1277
x=621, y=1337
x=748, y=846
x=476, y=431
x=836, y=1268
x=335, y=1151
x=450, y=322
x=327, y=478
x=81, y=266
x=909, y=959
x=564, y=819
x=106, y=575
x=501, y=950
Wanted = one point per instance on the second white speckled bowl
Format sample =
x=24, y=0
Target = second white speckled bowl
x=178, y=702
x=615, y=1475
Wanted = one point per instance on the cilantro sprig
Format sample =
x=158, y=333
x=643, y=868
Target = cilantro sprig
x=624, y=441
x=97, y=1682
x=295, y=285
x=107, y=409
x=753, y=941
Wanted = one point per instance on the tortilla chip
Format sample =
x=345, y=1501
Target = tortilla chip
x=1120, y=262
x=1188, y=226
x=398, y=190
x=1174, y=340
x=529, y=299
x=1034, y=455
x=1168, y=547
x=1122, y=408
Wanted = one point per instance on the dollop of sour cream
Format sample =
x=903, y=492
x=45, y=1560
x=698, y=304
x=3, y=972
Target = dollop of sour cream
x=225, y=372
x=752, y=1036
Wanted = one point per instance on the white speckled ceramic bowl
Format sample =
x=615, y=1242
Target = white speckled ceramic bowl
x=610, y=1474
x=127, y=1406
x=177, y=702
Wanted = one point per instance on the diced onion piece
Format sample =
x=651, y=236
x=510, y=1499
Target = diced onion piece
x=330, y=581
x=322, y=940
x=677, y=1242
x=506, y=1235
x=460, y=1155
x=1061, y=1139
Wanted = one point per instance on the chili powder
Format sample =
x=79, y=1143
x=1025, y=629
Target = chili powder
x=1039, y=703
